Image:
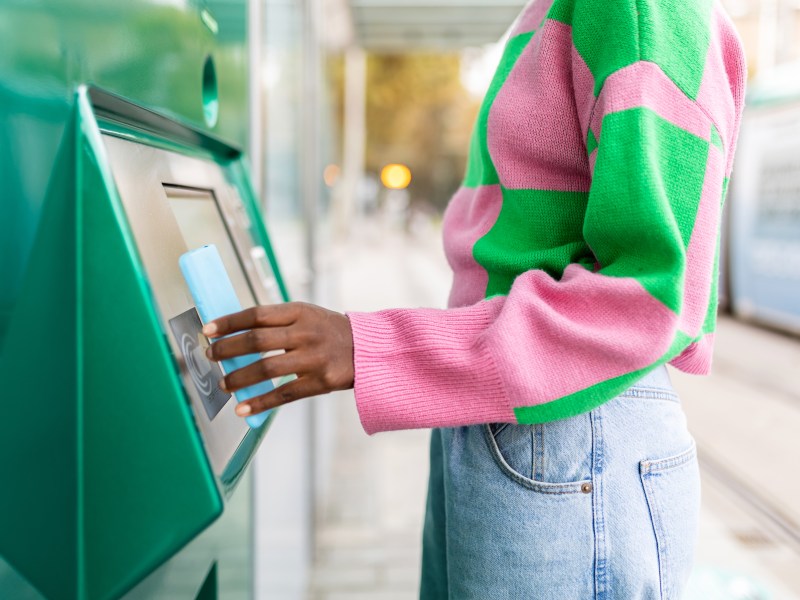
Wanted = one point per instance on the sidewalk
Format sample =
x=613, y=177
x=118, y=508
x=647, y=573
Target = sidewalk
x=368, y=545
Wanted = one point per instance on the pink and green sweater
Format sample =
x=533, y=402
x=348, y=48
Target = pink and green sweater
x=584, y=241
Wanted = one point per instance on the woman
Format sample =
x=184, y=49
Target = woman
x=584, y=244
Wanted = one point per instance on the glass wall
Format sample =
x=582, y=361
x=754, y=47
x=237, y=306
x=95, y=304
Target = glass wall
x=281, y=76
x=292, y=144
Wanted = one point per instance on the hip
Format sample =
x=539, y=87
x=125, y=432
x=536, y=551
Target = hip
x=554, y=498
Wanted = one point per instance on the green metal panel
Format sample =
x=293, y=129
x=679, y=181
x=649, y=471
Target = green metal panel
x=142, y=456
x=148, y=51
x=13, y=585
x=130, y=482
x=105, y=475
x=226, y=544
x=38, y=429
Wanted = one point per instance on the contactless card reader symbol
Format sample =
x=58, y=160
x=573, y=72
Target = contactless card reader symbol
x=186, y=328
x=196, y=362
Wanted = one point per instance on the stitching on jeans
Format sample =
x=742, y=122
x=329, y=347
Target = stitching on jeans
x=572, y=487
x=653, y=467
x=533, y=452
x=650, y=393
x=598, y=522
x=540, y=450
x=650, y=471
x=655, y=516
x=501, y=427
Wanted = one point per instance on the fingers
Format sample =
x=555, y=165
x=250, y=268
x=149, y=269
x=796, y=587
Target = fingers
x=296, y=389
x=273, y=315
x=251, y=342
x=318, y=344
x=263, y=370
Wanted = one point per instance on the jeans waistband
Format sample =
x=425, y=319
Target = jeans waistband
x=658, y=379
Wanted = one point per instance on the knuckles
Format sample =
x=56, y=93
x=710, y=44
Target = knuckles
x=275, y=398
x=260, y=315
x=328, y=379
x=319, y=340
x=264, y=369
x=254, y=340
x=300, y=311
x=303, y=336
x=219, y=350
x=332, y=377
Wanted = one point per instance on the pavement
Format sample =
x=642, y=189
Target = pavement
x=745, y=418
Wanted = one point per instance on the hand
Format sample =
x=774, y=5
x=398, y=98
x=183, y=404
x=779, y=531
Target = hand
x=318, y=345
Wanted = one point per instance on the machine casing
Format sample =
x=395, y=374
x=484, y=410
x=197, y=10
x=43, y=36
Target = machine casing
x=109, y=489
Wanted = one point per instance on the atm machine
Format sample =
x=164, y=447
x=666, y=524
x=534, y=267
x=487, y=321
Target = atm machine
x=125, y=478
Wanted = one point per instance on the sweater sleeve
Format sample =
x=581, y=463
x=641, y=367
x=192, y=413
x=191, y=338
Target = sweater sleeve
x=659, y=155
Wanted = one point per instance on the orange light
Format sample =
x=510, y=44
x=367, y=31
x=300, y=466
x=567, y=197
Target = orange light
x=396, y=176
x=331, y=174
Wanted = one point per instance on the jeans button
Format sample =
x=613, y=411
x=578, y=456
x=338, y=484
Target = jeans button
x=586, y=488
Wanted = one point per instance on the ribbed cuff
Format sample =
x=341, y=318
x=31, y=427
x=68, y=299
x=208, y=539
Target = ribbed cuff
x=696, y=358
x=421, y=368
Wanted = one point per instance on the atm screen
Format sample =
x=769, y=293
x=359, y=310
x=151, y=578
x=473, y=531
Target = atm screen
x=201, y=223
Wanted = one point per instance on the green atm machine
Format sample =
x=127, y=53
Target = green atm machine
x=125, y=468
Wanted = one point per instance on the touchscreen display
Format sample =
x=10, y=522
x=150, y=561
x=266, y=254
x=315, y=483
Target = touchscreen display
x=201, y=223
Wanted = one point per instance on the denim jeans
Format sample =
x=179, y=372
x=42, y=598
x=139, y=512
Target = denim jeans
x=602, y=505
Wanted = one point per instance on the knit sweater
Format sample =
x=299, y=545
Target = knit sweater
x=584, y=241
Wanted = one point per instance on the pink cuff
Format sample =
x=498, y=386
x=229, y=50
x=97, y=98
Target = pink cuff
x=420, y=368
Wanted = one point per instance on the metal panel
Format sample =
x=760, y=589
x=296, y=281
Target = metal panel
x=431, y=24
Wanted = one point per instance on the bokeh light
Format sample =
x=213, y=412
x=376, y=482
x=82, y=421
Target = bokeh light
x=396, y=176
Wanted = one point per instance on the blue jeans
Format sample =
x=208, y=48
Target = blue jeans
x=602, y=505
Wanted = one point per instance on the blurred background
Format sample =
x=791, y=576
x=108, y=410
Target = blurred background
x=356, y=117
x=399, y=83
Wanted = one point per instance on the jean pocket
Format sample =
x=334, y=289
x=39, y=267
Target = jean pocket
x=542, y=458
x=672, y=488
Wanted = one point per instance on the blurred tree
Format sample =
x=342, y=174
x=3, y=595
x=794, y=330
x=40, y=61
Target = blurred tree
x=418, y=114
